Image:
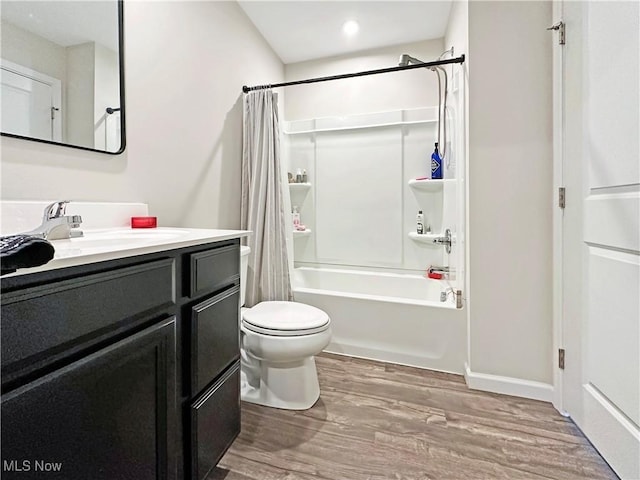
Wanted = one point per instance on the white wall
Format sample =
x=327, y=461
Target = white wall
x=375, y=93
x=510, y=189
x=184, y=120
x=37, y=53
x=24, y=48
x=80, y=91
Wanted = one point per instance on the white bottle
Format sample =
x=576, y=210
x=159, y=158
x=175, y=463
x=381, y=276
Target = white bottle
x=296, y=217
x=420, y=223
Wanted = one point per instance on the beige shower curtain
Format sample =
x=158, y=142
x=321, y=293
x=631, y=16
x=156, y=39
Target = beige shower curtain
x=262, y=208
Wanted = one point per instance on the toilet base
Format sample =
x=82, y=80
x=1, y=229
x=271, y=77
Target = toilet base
x=289, y=386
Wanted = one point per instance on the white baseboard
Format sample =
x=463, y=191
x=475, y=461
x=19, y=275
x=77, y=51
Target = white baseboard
x=612, y=432
x=508, y=385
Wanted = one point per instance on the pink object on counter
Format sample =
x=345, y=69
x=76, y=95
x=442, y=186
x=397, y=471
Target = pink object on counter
x=423, y=178
x=144, y=222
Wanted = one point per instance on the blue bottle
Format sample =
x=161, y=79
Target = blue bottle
x=436, y=164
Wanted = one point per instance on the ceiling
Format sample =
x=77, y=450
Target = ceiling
x=66, y=22
x=307, y=30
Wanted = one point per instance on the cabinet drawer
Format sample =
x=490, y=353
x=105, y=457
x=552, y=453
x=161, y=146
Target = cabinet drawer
x=215, y=423
x=215, y=339
x=47, y=320
x=214, y=269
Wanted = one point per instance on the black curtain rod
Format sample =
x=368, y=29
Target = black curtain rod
x=459, y=59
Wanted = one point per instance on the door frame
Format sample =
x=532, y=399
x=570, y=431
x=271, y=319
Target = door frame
x=56, y=92
x=558, y=213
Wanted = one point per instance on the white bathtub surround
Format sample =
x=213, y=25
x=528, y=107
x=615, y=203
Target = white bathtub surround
x=263, y=209
x=393, y=317
x=360, y=167
x=363, y=263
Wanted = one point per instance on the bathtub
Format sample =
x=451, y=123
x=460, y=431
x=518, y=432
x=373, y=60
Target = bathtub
x=390, y=317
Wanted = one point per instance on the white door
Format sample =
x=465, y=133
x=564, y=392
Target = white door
x=30, y=103
x=601, y=227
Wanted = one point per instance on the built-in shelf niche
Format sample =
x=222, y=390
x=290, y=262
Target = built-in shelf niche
x=429, y=185
x=299, y=187
x=302, y=233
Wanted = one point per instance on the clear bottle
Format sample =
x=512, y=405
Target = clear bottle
x=296, y=217
x=420, y=223
x=299, y=176
x=304, y=176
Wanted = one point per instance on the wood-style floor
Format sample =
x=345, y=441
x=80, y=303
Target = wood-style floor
x=381, y=421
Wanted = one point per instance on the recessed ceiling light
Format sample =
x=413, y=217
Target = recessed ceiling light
x=350, y=27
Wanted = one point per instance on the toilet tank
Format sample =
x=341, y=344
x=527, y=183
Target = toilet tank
x=244, y=262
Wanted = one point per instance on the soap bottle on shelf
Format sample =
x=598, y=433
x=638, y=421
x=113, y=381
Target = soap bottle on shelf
x=420, y=223
x=299, y=176
x=296, y=217
x=304, y=176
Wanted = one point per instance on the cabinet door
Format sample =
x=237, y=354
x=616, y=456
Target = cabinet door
x=107, y=416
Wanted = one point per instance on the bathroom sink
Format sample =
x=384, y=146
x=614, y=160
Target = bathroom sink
x=134, y=234
x=97, y=245
x=118, y=239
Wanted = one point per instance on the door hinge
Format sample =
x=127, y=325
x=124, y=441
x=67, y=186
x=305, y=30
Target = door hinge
x=562, y=197
x=561, y=358
x=560, y=27
x=53, y=112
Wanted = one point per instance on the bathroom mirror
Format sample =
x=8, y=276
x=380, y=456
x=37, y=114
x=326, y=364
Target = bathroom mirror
x=62, y=73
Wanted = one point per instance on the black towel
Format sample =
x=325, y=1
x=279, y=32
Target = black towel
x=23, y=251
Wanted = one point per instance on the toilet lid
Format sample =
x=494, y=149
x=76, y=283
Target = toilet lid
x=285, y=318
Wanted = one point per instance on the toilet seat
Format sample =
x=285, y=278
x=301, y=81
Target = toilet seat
x=285, y=319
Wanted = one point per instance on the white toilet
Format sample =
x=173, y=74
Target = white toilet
x=278, y=341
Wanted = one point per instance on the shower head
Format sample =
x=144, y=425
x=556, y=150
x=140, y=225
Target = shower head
x=406, y=59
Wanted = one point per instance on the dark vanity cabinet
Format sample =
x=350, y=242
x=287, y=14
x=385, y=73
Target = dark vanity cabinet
x=125, y=369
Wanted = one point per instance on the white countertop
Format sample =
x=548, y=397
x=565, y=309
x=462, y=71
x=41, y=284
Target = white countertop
x=109, y=244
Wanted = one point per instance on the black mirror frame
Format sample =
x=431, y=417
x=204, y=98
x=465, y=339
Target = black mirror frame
x=123, y=135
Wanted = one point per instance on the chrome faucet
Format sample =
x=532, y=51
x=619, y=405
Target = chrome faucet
x=56, y=225
x=437, y=269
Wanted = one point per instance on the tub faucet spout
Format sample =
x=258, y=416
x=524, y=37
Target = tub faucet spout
x=56, y=225
x=438, y=269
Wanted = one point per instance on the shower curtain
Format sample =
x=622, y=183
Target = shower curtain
x=262, y=207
